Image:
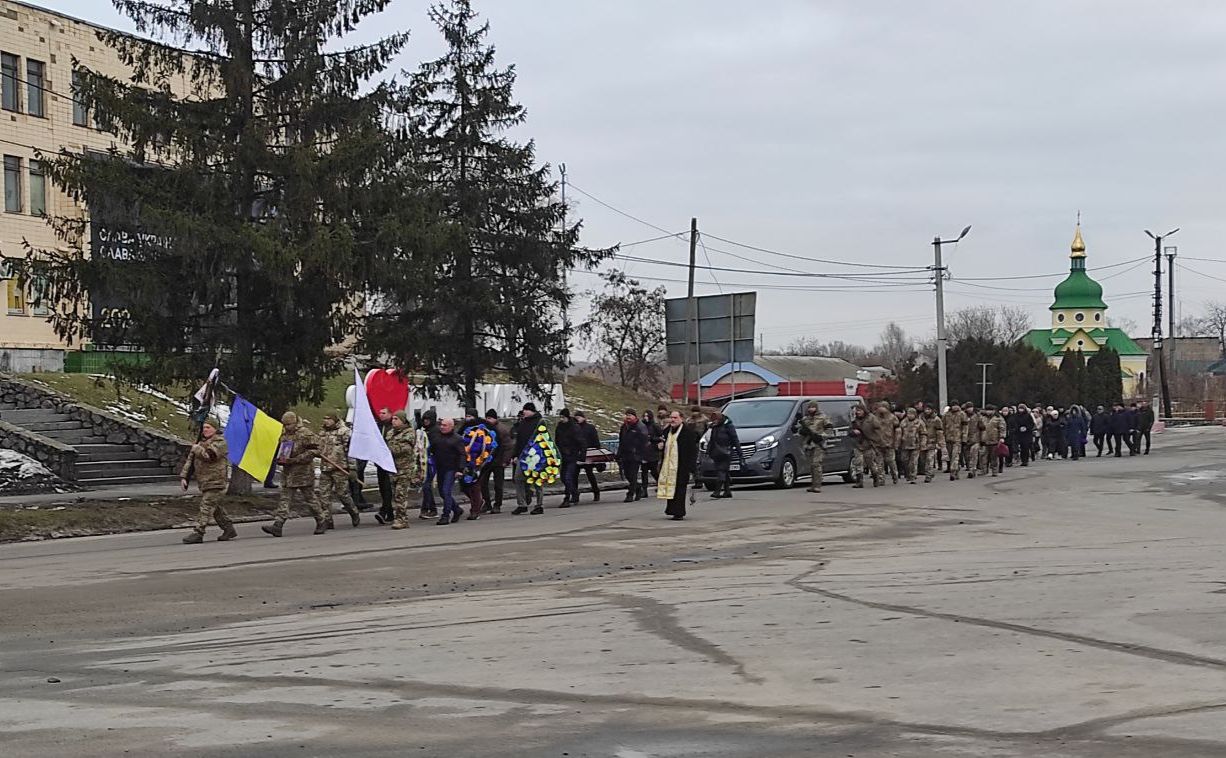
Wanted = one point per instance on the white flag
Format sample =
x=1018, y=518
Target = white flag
x=366, y=443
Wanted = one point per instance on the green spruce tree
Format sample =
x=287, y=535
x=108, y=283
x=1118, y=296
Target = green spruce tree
x=1103, y=384
x=485, y=290
x=241, y=216
x=1073, y=370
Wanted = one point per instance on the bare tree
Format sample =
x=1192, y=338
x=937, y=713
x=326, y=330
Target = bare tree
x=834, y=349
x=1213, y=323
x=1127, y=325
x=894, y=346
x=1003, y=325
x=626, y=329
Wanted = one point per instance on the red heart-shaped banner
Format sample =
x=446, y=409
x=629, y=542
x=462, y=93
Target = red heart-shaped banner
x=387, y=388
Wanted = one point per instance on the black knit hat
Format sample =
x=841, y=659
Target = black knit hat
x=530, y=407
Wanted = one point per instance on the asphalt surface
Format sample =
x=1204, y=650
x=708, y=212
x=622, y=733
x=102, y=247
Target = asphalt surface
x=1063, y=610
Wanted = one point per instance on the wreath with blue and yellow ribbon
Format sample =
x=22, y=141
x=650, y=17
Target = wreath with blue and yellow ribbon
x=539, y=462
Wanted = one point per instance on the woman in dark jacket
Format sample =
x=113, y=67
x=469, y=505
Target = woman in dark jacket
x=651, y=456
x=1020, y=437
x=1075, y=428
x=679, y=455
x=1053, y=434
x=723, y=447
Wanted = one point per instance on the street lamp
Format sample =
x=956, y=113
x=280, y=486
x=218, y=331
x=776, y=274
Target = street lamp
x=942, y=342
x=1156, y=333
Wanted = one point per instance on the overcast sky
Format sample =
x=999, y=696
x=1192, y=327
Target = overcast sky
x=857, y=131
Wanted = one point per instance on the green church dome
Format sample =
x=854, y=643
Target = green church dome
x=1078, y=291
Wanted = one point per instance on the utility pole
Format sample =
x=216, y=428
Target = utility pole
x=1171, y=251
x=1157, y=330
x=565, y=273
x=938, y=271
x=691, y=343
x=983, y=395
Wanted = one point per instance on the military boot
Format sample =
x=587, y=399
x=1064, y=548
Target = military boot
x=321, y=526
x=400, y=524
x=354, y=516
x=273, y=529
x=228, y=532
x=329, y=523
x=195, y=538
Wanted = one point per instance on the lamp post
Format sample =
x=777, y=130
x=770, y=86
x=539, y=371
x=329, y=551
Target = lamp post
x=938, y=271
x=1157, y=330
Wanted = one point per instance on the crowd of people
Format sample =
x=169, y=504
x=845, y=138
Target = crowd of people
x=435, y=457
x=906, y=443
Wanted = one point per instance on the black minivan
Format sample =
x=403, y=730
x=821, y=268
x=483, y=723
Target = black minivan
x=772, y=449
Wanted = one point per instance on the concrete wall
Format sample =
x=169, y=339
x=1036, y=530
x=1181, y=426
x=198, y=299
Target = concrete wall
x=59, y=458
x=26, y=361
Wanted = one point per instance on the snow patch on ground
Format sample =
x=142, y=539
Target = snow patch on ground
x=22, y=475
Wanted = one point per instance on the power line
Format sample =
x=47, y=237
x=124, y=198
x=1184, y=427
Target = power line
x=1199, y=273
x=711, y=269
x=865, y=277
x=900, y=287
x=815, y=260
x=630, y=216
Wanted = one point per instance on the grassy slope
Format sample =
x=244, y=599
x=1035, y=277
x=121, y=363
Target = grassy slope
x=602, y=402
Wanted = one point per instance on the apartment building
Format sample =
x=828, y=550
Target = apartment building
x=38, y=115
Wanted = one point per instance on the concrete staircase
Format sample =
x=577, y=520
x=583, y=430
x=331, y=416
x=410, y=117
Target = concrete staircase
x=99, y=463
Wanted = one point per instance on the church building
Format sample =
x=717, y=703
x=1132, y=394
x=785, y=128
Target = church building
x=1079, y=322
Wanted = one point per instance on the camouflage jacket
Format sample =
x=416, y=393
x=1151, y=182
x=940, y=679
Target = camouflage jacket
x=954, y=423
x=208, y=460
x=299, y=469
x=403, y=444
x=334, y=443
x=994, y=430
x=936, y=432
x=814, y=429
x=912, y=434
x=879, y=431
x=974, y=428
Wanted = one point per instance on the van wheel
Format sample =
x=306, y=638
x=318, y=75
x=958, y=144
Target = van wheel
x=787, y=474
x=848, y=478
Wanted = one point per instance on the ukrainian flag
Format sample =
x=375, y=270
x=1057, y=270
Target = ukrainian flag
x=252, y=437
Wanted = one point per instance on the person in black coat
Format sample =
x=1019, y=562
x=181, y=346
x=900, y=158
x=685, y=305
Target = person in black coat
x=1053, y=434
x=1100, y=427
x=571, y=450
x=1021, y=432
x=632, y=442
x=1133, y=435
x=651, y=456
x=589, y=437
x=723, y=447
x=1119, y=428
x=681, y=435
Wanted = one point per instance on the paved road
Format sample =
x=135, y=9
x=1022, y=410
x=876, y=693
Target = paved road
x=1068, y=609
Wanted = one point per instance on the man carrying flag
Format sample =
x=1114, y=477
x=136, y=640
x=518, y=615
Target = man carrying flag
x=207, y=460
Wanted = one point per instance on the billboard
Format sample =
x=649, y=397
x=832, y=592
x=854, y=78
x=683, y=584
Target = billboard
x=724, y=329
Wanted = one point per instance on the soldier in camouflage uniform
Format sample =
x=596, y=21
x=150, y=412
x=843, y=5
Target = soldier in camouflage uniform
x=207, y=460
x=813, y=427
x=862, y=449
x=912, y=438
x=879, y=429
x=297, y=475
x=970, y=446
x=936, y=441
x=993, y=432
x=334, y=484
x=954, y=425
x=402, y=441
x=891, y=460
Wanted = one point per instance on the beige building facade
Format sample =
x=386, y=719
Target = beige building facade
x=38, y=116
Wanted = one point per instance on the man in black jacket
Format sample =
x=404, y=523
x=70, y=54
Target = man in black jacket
x=496, y=469
x=723, y=448
x=1134, y=429
x=1145, y=424
x=570, y=449
x=589, y=438
x=1100, y=427
x=525, y=433
x=1118, y=427
x=631, y=448
x=450, y=456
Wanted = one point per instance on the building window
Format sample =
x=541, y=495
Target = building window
x=36, y=72
x=1098, y=317
x=12, y=184
x=80, y=114
x=1081, y=344
x=8, y=83
x=1060, y=317
x=16, y=295
x=38, y=189
x=1080, y=317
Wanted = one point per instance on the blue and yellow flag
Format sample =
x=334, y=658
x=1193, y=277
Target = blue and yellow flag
x=251, y=438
